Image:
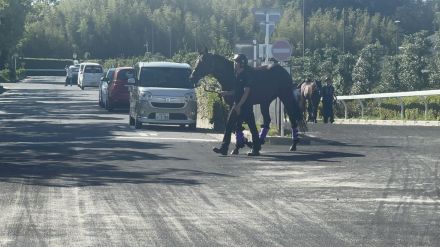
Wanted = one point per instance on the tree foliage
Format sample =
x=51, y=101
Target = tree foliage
x=12, y=19
x=353, y=41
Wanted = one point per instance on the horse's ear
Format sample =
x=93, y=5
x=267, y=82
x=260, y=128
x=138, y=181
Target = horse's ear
x=203, y=51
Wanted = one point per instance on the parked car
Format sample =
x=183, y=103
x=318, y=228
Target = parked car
x=103, y=86
x=118, y=95
x=89, y=75
x=162, y=94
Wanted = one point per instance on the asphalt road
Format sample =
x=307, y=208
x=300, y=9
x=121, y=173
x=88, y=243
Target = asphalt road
x=72, y=174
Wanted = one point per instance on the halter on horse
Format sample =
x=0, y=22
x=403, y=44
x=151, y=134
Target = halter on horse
x=268, y=83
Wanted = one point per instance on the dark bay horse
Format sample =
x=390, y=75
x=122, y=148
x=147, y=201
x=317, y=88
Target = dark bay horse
x=267, y=83
x=309, y=98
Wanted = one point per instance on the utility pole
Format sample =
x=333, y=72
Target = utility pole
x=343, y=30
x=304, y=28
x=195, y=35
x=146, y=46
x=397, y=36
x=170, y=40
x=152, y=38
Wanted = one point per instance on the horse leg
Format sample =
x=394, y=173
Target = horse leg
x=264, y=108
x=295, y=114
x=315, y=112
x=309, y=110
x=303, y=106
x=240, y=140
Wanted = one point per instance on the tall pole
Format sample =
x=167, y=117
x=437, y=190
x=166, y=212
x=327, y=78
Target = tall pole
x=170, y=42
x=255, y=52
x=235, y=22
x=397, y=36
x=146, y=46
x=304, y=28
x=343, y=30
x=195, y=35
x=266, y=39
x=152, y=39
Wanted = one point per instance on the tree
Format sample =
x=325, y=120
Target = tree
x=12, y=19
x=390, y=75
x=366, y=73
x=343, y=79
x=413, y=60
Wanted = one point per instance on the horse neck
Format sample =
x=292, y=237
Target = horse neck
x=224, y=72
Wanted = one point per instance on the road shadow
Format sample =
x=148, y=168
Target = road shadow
x=318, y=156
x=37, y=149
x=324, y=141
x=65, y=175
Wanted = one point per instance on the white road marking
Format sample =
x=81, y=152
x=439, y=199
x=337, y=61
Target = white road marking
x=147, y=134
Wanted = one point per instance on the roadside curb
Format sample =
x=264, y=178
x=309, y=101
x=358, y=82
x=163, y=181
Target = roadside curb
x=387, y=122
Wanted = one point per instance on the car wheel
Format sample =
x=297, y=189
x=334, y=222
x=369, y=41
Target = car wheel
x=137, y=124
x=100, y=99
x=108, y=105
x=192, y=126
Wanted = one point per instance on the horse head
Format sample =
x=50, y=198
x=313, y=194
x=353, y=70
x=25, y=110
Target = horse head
x=203, y=67
x=211, y=64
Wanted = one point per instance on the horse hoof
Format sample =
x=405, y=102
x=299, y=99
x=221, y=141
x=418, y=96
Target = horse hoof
x=249, y=144
x=293, y=148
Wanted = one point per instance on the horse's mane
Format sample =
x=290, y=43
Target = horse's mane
x=265, y=67
x=225, y=79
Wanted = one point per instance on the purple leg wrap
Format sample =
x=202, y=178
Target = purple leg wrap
x=295, y=134
x=263, y=133
x=239, y=137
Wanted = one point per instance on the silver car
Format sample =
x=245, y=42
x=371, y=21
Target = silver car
x=162, y=94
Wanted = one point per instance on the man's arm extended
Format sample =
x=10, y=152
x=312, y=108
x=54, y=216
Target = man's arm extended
x=243, y=99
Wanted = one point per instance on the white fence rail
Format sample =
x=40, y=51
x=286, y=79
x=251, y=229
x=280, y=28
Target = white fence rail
x=360, y=98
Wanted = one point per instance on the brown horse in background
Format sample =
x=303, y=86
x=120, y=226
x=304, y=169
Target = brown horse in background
x=310, y=95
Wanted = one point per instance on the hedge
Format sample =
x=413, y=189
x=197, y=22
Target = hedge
x=45, y=63
x=389, y=109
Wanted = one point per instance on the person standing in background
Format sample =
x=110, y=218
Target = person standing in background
x=328, y=97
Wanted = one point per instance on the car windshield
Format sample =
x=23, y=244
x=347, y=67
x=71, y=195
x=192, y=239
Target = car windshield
x=110, y=74
x=165, y=77
x=93, y=69
x=125, y=74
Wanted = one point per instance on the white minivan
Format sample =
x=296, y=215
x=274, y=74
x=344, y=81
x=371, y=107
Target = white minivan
x=161, y=93
x=89, y=75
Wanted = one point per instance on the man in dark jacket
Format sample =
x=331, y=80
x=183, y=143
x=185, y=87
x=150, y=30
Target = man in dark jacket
x=242, y=109
x=328, y=95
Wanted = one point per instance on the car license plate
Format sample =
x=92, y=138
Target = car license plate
x=162, y=116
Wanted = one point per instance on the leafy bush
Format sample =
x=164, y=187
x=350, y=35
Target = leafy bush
x=211, y=106
x=389, y=109
x=4, y=75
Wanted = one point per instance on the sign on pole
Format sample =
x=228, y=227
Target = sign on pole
x=281, y=50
